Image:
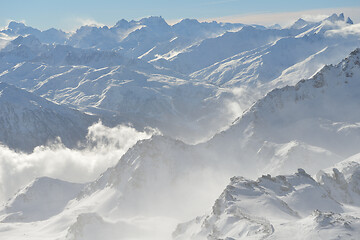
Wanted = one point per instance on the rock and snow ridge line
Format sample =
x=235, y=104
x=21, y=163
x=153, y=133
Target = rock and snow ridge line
x=271, y=207
x=139, y=93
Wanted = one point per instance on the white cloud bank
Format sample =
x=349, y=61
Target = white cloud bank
x=105, y=147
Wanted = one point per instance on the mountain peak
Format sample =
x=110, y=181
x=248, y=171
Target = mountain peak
x=300, y=23
x=187, y=21
x=52, y=194
x=122, y=24
x=13, y=25
x=29, y=40
x=341, y=16
x=275, y=26
x=335, y=18
x=349, y=21
x=10, y=93
x=154, y=21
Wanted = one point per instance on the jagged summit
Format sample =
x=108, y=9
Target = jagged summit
x=123, y=24
x=275, y=26
x=13, y=25
x=155, y=22
x=335, y=18
x=187, y=21
x=349, y=21
x=300, y=23
x=50, y=36
x=274, y=207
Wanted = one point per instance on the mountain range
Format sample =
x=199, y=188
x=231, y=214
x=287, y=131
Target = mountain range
x=231, y=101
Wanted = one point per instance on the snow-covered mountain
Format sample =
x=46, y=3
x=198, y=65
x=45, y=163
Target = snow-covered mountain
x=148, y=36
x=192, y=108
x=27, y=121
x=41, y=199
x=291, y=206
x=51, y=35
x=190, y=80
x=290, y=127
x=317, y=114
x=214, y=50
x=117, y=88
x=132, y=38
x=30, y=49
x=283, y=61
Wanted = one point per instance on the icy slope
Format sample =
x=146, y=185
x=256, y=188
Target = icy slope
x=27, y=121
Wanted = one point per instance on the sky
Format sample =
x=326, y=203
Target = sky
x=70, y=14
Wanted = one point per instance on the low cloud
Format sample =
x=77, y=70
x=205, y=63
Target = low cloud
x=105, y=147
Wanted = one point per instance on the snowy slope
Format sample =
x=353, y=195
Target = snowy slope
x=212, y=50
x=319, y=112
x=27, y=121
x=41, y=199
x=283, y=61
x=119, y=89
x=148, y=172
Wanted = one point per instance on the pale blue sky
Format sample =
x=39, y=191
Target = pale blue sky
x=68, y=14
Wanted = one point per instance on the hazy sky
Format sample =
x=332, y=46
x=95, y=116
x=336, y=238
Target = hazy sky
x=68, y=14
